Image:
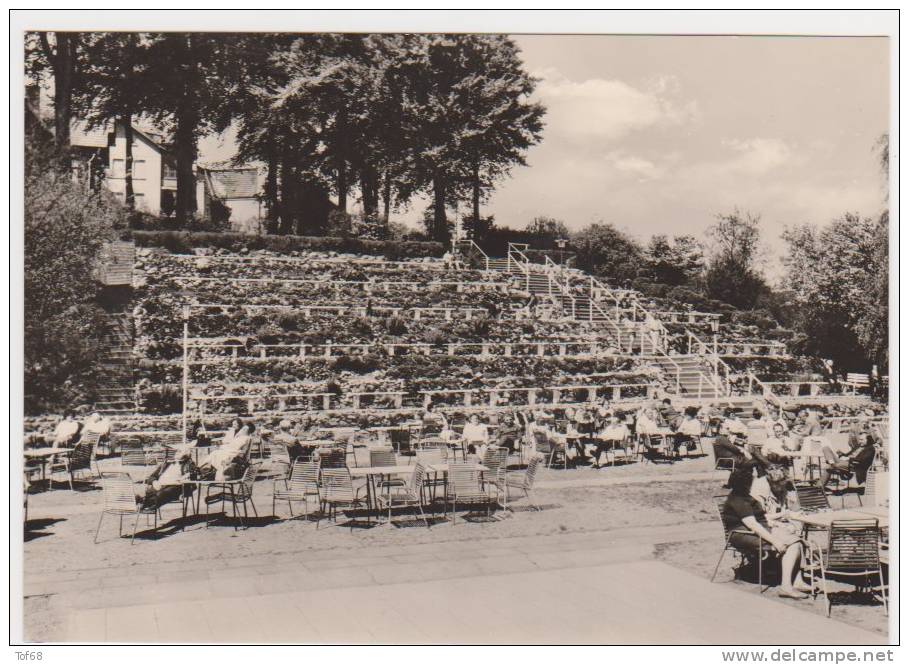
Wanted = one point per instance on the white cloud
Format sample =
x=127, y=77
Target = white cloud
x=643, y=168
x=607, y=109
x=759, y=155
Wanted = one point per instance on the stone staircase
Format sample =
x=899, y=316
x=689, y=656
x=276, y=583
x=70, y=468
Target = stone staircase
x=117, y=393
x=695, y=378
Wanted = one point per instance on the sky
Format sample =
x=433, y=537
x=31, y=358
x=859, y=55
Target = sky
x=659, y=134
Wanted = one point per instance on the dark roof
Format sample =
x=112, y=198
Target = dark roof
x=239, y=183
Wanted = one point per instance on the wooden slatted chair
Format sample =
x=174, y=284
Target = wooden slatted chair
x=524, y=482
x=852, y=551
x=302, y=483
x=410, y=494
x=120, y=501
x=338, y=491
x=464, y=488
x=766, y=549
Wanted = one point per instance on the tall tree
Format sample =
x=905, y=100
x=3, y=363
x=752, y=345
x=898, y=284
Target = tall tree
x=113, y=87
x=501, y=121
x=460, y=94
x=839, y=278
x=733, y=274
x=192, y=90
x=674, y=262
x=58, y=54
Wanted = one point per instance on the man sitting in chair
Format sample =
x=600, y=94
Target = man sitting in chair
x=165, y=483
x=857, y=460
x=741, y=511
x=778, y=448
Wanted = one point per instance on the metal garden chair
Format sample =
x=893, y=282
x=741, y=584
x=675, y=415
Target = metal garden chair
x=852, y=552
x=302, y=483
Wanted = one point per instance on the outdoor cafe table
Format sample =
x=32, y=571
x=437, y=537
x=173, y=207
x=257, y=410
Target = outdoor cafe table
x=44, y=455
x=443, y=469
x=370, y=473
x=823, y=519
x=226, y=485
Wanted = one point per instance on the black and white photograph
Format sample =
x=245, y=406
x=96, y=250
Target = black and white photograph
x=414, y=329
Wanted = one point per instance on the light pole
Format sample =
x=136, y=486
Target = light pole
x=561, y=242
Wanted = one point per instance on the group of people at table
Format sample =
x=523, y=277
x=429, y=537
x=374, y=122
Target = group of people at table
x=756, y=511
x=585, y=435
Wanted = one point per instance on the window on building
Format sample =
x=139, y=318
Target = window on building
x=170, y=171
x=139, y=169
x=118, y=168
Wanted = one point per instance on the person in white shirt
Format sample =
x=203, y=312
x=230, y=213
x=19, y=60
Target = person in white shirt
x=778, y=447
x=613, y=435
x=733, y=425
x=476, y=435
x=67, y=431
x=689, y=429
x=100, y=426
x=230, y=453
x=96, y=423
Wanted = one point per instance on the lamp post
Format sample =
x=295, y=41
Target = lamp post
x=561, y=242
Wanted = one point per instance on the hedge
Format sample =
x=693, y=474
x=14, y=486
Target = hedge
x=183, y=242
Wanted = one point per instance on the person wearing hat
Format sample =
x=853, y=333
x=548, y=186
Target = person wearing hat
x=165, y=483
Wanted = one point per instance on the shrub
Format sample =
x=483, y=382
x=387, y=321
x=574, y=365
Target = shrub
x=434, y=336
x=396, y=325
x=182, y=242
x=357, y=364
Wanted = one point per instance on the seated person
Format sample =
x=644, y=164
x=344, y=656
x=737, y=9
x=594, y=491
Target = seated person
x=433, y=421
x=742, y=512
x=670, y=417
x=289, y=440
x=613, y=435
x=772, y=489
x=476, y=434
x=733, y=447
x=778, y=448
x=689, y=429
x=100, y=426
x=165, y=483
x=509, y=434
x=857, y=460
x=68, y=431
x=733, y=425
x=225, y=462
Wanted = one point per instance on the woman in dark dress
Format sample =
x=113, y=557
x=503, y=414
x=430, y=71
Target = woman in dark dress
x=743, y=512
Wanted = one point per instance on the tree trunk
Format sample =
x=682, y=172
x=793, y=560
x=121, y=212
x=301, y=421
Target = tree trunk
x=287, y=195
x=386, y=197
x=439, y=221
x=126, y=121
x=63, y=65
x=185, y=140
x=369, y=191
x=271, y=191
x=343, y=185
x=476, y=194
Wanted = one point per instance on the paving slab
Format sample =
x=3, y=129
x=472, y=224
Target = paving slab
x=640, y=602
